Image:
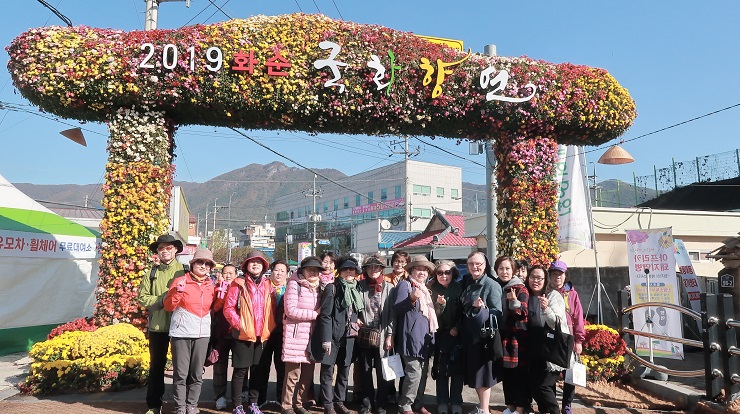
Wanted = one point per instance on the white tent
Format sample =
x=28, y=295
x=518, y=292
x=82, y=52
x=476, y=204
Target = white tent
x=48, y=269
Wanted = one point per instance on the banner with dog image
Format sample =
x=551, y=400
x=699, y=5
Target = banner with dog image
x=652, y=267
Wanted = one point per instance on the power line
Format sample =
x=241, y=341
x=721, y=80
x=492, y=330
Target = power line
x=335, y=6
x=449, y=152
x=299, y=6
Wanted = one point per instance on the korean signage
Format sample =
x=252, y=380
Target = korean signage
x=304, y=250
x=48, y=246
x=652, y=268
x=379, y=206
x=169, y=57
x=574, y=230
x=688, y=277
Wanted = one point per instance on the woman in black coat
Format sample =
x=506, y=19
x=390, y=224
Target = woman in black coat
x=334, y=334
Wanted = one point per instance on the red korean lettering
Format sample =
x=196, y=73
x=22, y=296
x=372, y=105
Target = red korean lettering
x=34, y=245
x=276, y=64
x=244, y=62
x=52, y=245
x=20, y=243
x=9, y=243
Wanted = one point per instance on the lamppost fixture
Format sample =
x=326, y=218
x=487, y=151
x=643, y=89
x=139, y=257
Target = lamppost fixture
x=75, y=134
x=616, y=155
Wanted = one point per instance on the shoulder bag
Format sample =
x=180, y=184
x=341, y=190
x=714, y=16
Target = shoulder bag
x=491, y=336
x=552, y=345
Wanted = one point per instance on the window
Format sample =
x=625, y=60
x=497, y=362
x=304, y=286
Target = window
x=440, y=192
x=336, y=204
x=370, y=197
x=346, y=202
x=454, y=193
x=398, y=191
x=422, y=212
x=422, y=189
x=358, y=200
x=326, y=206
x=383, y=194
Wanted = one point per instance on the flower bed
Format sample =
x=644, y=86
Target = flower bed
x=603, y=353
x=111, y=358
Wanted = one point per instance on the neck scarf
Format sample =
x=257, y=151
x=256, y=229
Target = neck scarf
x=312, y=285
x=352, y=295
x=376, y=284
x=426, y=305
x=279, y=291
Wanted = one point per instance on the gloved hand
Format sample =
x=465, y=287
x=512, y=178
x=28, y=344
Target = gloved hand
x=327, y=347
x=180, y=286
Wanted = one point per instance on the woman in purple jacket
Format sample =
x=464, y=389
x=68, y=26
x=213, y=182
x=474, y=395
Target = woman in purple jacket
x=558, y=279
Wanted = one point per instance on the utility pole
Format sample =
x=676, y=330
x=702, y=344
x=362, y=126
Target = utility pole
x=228, y=257
x=491, y=220
x=152, y=12
x=314, y=217
x=406, y=154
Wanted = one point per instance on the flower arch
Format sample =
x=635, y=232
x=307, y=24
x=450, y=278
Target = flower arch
x=315, y=74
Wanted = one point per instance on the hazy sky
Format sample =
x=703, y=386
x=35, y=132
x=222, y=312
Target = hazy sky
x=678, y=59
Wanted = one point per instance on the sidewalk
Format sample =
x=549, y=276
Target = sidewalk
x=14, y=367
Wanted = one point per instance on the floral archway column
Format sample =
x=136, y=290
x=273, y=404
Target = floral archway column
x=136, y=194
x=527, y=196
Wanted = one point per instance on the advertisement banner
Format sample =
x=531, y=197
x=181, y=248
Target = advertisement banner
x=688, y=277
x=47, y=246
x=304, y=250
x=574, y=231
x=652, y=267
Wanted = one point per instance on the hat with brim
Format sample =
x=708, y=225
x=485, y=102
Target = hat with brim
x=372, y=261
x=255, y=255
x=349, y=263
x=420, y=261
x=203, y=254
x=558, y=265
x=166, y=238
x=312, y=261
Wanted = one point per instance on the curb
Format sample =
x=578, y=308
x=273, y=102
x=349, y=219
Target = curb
x=683, y=397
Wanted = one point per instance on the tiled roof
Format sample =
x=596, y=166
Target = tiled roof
x=394, y=237
x=449, y=239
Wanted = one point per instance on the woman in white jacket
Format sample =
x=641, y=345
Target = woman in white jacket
x=546, y=306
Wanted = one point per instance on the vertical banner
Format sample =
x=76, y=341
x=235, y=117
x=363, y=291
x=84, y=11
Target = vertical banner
x=652, y=267
x=304, y=250
x=574, y=230
x=688, y=277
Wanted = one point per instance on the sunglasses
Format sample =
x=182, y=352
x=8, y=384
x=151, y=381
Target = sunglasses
x=444, y=272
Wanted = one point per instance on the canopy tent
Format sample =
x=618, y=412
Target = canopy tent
x=48, y=270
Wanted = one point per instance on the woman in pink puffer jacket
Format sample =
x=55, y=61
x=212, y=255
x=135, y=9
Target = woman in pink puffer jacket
x=301, y=310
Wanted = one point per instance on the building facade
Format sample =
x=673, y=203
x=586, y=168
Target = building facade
x=402, y=193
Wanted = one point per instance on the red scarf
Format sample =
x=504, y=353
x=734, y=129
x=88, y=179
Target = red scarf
x=376, y=284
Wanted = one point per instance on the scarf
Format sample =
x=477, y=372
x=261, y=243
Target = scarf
x=351, y=295
x=279, y=291
x=312, y=285
x=426, y=305
x=374, y=284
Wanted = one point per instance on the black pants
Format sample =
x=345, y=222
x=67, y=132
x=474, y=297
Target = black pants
x=569, y=391
x=542, y=385
x=334, y=393
x=369, y=360
x=237, y=383
x=272, y=354
x=516, y=392
x=159, y=343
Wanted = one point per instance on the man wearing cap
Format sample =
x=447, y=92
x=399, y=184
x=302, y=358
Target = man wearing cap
x=152, y=291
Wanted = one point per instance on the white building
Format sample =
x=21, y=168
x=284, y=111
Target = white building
x=402, y=193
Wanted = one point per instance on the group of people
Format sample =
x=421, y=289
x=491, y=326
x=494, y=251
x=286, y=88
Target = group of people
x=333, y=312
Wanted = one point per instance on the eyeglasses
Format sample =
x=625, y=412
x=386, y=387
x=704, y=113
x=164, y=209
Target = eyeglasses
x=201, y=263
x=399, y=262
x=537, y=279
x=444, y=272
x=167, y=247
x=476, y=264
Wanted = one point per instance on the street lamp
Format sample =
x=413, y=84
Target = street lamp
x=615, y=155
x=228, y=257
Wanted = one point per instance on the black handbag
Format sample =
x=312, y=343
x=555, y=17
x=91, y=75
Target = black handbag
x=551, y=345
x=368, y=337
x=491, y=336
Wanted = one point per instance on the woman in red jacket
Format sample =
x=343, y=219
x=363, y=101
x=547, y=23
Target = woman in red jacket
x=190, y=299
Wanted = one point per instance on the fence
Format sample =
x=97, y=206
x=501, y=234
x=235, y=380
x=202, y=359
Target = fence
x=716, y=167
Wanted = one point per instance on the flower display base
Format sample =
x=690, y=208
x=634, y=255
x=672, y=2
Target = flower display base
x=618, y=395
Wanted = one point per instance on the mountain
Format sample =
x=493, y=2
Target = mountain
x=255, y=188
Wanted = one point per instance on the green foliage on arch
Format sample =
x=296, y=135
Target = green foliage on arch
x=279, y=83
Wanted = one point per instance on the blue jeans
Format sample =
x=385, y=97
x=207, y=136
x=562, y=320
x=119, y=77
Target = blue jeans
x=449, y=390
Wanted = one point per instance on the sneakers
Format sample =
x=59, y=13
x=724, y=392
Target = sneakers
x=221, y=403
x=479, y=410
x=180, y=410
x=566, y=410
x=254, y=409
x=441, y=408
x=341, y=409
x=456, y=409
x=239, y=409
x=329, y=409
x=191, y=409
x=365, y=409
x=153, y=411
